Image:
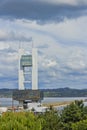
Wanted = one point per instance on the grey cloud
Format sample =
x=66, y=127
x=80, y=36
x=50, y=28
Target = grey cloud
x=15, y=36
x=43, y=46
x=40, y=11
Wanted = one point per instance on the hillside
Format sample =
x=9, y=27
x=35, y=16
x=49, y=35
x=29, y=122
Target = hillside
x=60, y=92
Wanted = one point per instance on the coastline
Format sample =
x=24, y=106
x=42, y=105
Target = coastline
x=57, y=104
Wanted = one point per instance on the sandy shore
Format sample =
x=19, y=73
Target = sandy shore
x=57, y=103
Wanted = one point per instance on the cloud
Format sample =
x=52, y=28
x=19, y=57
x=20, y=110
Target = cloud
x=14, y=36
x=43, y=11
x=69, y=2
x=62, y=51
x=8, y=84
x=51, y=64
x=3, y=46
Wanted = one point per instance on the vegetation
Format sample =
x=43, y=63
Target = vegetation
x=60, y=92
x=72, y=117
x=65, y=92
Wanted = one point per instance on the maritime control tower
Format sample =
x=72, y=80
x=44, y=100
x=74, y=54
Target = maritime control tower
x=28, y=67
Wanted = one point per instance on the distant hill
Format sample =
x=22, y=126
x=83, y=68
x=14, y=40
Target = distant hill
x=60, y=92
x=65, y=92
x=6, y=93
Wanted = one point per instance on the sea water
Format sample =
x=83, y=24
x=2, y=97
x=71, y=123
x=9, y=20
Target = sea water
x=4, y=102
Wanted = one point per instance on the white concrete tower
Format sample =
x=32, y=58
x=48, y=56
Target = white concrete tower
x=34, y=69
x=21, y=73
x=27, y=61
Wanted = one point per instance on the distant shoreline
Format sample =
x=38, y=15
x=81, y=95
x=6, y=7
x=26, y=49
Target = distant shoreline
x=57, y=104
x=62, y=103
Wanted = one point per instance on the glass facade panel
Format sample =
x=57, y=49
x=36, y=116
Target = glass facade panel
x=26, y=60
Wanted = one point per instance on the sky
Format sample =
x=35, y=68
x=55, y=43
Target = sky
x=57, y=28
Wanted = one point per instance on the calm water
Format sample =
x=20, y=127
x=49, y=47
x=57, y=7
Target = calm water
x=8, y=101
x=58, y=99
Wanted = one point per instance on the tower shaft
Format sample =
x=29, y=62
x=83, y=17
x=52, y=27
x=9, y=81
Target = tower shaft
x=34, y=69
x=21, y=71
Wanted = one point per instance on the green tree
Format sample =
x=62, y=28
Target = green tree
x=71, y=113
x=81, y=125
x=51, y=120
x=79, y=103
x=19, y=121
